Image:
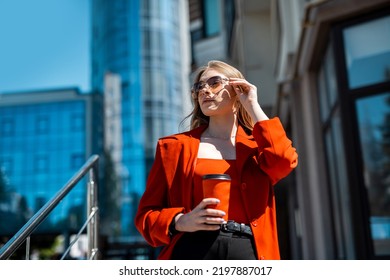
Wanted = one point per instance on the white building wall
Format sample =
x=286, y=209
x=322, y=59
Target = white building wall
x=253, y=51
x=185, y=47
x=112, y=118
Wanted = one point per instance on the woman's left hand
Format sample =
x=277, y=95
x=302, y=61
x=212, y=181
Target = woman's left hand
x=247, y=94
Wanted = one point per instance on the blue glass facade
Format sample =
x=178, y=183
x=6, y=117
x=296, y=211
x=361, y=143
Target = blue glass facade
x=116, y=48
x=140, y=41
x=43, y=142
x=165, y=94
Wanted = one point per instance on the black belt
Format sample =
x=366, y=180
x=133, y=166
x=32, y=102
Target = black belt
x=232, y=226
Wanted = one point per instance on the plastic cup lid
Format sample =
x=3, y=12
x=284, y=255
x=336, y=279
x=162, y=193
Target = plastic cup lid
x=216, y=177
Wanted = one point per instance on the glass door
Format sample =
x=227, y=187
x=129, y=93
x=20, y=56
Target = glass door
x=367, y=65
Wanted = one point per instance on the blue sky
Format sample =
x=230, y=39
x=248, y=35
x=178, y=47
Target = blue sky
x=44, y=44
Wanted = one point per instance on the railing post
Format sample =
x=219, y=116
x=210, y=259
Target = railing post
x=28, y=248
x=92, y=201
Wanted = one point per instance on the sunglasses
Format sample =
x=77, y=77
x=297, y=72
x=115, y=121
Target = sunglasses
x=212, y=83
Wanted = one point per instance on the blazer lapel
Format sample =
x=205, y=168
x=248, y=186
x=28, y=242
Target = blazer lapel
x=189, y=157
x=246, y=147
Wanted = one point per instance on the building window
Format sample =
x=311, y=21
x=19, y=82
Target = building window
x=334, y=150
x=76, y=161
x=373, y=114
x=42, y=125
x=367, y=63
x=41, y=163
x=365, y=97
x=365, y=101
x=367, y=46
x=6, y=166
x=211, y=17
x=7, y=127
x=77, y=122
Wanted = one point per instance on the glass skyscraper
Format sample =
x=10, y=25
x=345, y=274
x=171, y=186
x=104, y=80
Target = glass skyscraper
x=145, y=43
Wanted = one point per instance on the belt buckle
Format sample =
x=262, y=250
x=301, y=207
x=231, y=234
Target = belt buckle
x=230, y=226
x=234, y=227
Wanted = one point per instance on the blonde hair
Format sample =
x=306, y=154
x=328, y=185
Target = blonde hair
x=197, y=116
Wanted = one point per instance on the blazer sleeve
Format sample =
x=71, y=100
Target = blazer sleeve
x=154, y=214
x=277, y=157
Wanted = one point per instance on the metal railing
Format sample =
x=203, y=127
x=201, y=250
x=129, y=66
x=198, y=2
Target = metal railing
x=92, y=222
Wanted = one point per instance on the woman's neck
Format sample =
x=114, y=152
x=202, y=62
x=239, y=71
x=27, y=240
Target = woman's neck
x=222, y=127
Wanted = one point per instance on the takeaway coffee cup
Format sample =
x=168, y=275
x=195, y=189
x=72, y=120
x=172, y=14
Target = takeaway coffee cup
x=217, y=186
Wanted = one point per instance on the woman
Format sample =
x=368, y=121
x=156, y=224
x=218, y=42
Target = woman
x=229, y=134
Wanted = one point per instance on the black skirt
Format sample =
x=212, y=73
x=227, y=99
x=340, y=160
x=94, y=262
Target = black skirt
x=214, y=245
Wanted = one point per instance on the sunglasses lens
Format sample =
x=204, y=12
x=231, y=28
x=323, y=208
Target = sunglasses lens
x=199, y=86
x=213, y=83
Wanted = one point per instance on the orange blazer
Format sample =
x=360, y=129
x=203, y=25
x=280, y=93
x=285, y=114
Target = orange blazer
x=262, y=159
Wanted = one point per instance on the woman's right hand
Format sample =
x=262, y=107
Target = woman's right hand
x=201, y=217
